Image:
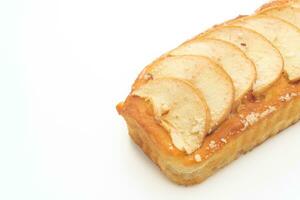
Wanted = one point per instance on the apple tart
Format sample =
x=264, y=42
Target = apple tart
x=218, y=95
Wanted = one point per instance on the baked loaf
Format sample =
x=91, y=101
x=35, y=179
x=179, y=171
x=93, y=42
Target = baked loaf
x=198, y=107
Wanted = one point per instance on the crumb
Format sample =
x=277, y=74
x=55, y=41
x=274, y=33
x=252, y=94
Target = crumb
x=197, y=158
x=287, y=97
x=223, y=140
x=294, y=94
x=148, y=76
x=252, y=118
x=212, y=144
x=268, y=111
x=171, y=147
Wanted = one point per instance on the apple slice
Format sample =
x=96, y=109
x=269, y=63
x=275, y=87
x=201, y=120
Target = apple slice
x=284, y=36
x=180, y=109
x=213, y=82
x=287, y=13
x=296, y=4
x=278, y=3
x=230, y=58
x=267, y=59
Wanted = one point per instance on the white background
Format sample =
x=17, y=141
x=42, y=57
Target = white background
x=65, y=64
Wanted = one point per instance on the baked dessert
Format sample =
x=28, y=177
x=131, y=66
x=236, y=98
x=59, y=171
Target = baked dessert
x=203, y=104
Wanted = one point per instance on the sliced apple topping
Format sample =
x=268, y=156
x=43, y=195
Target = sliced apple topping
x=267, y=59
x=291, y=3
x=284, y=36
x=180, y=109
x=296, y=4
x=278, y=3
x=230, y=58
x=287, y=13
x=213, y=82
